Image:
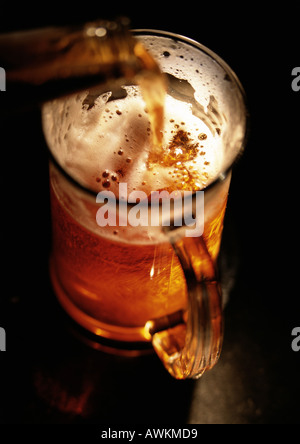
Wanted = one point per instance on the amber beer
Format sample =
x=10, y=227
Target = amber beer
x=113, y=283
x=113, y=288
x=112, y=280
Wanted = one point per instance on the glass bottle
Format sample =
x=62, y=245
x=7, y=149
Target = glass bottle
x=46, y=63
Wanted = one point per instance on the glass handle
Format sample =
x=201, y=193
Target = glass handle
x=189, y=342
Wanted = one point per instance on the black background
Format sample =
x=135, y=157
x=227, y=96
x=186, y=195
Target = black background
x=45, y=369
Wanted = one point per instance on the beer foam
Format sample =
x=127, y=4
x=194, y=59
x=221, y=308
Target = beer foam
x=109, y=143
x=184, y=61
x=203, y=79
x=106, y=140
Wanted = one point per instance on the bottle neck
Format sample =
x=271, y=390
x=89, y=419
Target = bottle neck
x=44, y=64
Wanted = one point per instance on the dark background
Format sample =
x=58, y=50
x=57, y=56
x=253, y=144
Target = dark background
x=47, y=375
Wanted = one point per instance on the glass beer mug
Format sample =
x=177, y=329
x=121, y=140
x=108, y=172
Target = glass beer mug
x=137, y=225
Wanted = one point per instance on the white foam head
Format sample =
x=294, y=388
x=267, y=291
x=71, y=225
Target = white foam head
x=110, y=141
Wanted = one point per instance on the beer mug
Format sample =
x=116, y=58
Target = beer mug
x=136, y=235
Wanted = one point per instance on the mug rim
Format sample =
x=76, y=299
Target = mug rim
x=233, y=77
